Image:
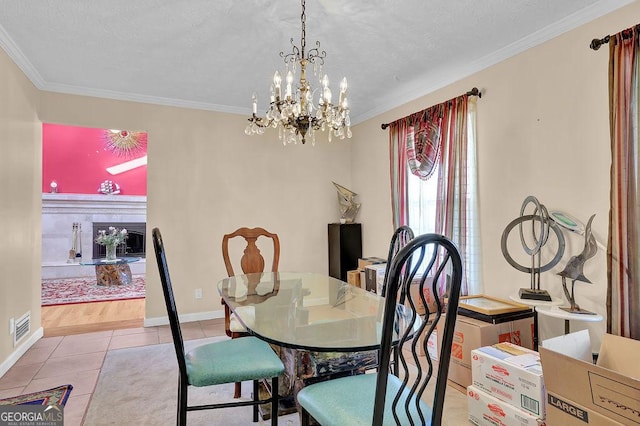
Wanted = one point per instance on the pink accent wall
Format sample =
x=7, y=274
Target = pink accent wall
x=77, y=158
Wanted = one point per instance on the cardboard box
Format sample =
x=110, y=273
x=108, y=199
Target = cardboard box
x=353, y=278
x=472, y=334
x=432, y=344
x=487, y=410
x=580, y=392
x=374, y=277
x=428, y=296
x=569, y=413
x=364, y=261
x=512, y=374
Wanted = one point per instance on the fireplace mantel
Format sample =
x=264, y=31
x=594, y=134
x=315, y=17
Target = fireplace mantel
x=61, y=211
x=94, y=203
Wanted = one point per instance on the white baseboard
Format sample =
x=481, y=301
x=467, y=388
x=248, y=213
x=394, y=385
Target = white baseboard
x=20, y=350
x=148, y=322
x=198, y=316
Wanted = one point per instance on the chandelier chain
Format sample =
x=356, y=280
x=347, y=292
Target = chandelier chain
x=303, y=18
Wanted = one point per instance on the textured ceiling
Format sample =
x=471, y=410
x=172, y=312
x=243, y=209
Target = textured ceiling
x=213, y=54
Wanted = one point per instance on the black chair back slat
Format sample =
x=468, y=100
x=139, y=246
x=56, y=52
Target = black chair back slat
x=172, y=311
x=399, y=239
x=442, y=277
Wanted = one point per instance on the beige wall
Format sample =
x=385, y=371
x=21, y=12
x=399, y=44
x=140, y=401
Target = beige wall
x=20, y=136
x=207, y=178
x=542, y=130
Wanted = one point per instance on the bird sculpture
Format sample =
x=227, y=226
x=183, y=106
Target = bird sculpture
x=575, y=266
x=348, y=207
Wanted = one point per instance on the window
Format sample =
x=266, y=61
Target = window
x=422, y=209
x=421, y=202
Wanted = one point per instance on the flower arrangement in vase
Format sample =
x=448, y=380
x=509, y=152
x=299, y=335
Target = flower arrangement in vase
x=110, y=239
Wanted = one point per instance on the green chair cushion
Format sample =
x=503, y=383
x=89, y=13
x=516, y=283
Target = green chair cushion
x=235, y=360
x=350, y=401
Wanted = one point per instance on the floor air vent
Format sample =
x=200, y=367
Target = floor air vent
x=23, y=326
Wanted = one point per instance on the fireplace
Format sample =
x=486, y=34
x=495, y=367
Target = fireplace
x=135, y=245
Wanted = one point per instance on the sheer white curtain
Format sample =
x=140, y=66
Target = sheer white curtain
x=447, y=201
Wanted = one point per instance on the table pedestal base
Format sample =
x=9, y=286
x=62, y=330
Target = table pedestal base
x=305, y=367
x=116, y=274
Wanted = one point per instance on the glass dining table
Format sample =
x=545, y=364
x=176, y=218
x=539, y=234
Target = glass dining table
x=308, y=311
x=319, y=325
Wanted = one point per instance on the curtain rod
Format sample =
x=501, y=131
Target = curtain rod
x=596, y=43
x=472, y=92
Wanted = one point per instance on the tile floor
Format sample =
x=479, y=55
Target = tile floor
x=77, y=359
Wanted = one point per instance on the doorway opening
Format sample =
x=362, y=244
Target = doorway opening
x=91, y=177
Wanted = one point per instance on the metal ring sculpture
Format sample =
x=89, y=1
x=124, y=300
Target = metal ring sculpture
x=541, y=215
x=544, y=215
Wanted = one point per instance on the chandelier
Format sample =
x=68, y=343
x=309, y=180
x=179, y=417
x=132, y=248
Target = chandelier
x=295, y=114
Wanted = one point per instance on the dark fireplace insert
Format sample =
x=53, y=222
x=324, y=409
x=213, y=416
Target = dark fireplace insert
x=135, y=245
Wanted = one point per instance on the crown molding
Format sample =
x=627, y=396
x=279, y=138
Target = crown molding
x=423, y=86
x=9, y=46
x=430, y=83
x=136, y=97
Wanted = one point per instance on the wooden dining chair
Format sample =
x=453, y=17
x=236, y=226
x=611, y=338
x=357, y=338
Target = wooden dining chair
x=228, y=361
x=384, y=398
x=251, y=262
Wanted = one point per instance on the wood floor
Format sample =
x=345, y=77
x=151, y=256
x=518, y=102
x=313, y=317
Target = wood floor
x=63, y=320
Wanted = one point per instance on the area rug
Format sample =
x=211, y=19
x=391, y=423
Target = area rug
x=140, y=386
x=84, y=290
x=53, y=396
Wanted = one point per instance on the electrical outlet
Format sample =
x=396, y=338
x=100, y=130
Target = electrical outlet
x=12, y=326
x=198, y=293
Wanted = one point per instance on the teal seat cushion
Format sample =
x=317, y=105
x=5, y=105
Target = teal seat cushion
x=350, y=401
x=229, y=361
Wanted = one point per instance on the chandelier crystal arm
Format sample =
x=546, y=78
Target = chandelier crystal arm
x=294, y=114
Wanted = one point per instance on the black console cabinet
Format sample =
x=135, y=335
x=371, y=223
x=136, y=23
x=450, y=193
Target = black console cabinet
x=345, y=248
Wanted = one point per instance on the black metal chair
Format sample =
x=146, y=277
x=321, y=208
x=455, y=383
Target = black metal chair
x=383, y=398
x=228, y=361
x=399, y=239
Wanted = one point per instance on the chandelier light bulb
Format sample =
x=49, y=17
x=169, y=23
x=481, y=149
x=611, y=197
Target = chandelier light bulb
x=343, y=85
x=327, y=95
x=289, y=83
x=343, y=92
x=277, y=81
